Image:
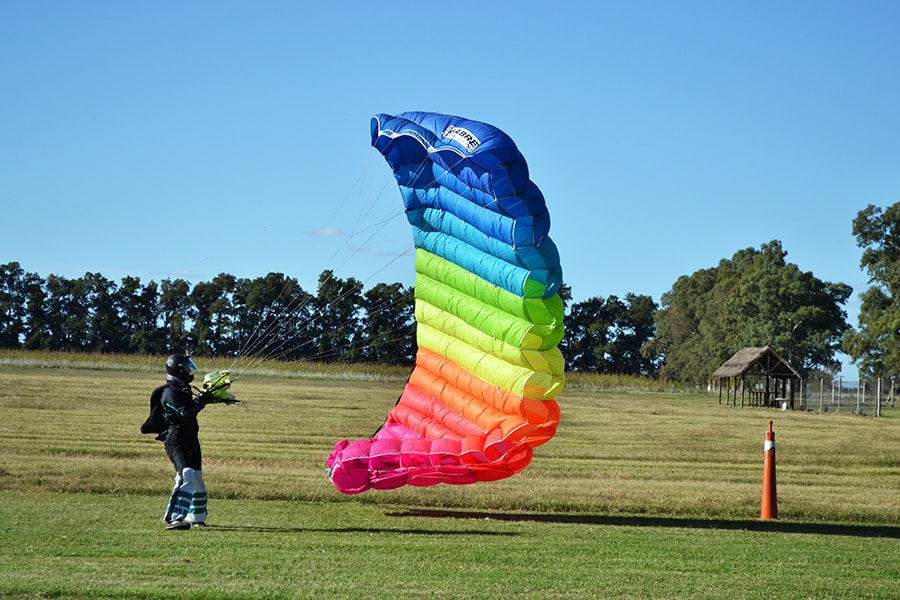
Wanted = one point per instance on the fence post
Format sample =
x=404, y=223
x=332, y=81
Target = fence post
x=878, y=399
x=860, y=389
x=840, y=392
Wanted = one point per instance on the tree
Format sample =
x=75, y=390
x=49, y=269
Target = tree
x=106, y=330
x=755, y=299
x=37, y=318
x=875, y=345
x=177, y=315
x=67, y=314
x=272, y=317
x=389, y=327
x=587, y=333
x=690, y=326
x=606, y=335
x=338, y=305
x=776, y=304
x=635, y=327
x=214, y=327
x=14, y=287
x=140, y=310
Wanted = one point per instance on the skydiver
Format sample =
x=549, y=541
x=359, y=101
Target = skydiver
x=187, y=504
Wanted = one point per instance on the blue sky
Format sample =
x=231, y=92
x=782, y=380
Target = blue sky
x=188, y=139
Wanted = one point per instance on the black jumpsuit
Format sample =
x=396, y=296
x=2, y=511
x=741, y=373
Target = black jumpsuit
x=180, y=408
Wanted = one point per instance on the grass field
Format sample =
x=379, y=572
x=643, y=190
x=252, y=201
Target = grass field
x=640, y=495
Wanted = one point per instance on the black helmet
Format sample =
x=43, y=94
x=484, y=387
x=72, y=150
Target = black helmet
x=182, y=367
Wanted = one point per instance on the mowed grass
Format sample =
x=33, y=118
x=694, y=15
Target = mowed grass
x=640, y=495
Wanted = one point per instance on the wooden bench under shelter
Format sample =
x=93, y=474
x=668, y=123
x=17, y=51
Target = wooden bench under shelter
x=760, y=377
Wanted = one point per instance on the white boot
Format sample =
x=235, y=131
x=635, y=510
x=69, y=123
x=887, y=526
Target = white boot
x=197, y=510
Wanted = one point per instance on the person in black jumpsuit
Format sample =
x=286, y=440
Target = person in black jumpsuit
x=187, y=505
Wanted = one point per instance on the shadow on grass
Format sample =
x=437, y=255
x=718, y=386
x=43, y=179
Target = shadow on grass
x=265, y=529
x=876, y=531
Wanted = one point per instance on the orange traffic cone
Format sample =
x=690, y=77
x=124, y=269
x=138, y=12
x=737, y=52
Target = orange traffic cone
x=769, y=508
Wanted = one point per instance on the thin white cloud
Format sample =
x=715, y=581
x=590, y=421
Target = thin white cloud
x=326, y=232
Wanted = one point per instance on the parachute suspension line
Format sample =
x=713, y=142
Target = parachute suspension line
x=284, y=323
x=372, y=309
x=368, y=207
x=422, y=167
x=357, y=230
x=337, y=350
x=260, y=345
x=373, y=230
x=283, y=348
x=257, y=344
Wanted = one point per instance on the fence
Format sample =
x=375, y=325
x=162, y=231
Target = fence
x=863, y=397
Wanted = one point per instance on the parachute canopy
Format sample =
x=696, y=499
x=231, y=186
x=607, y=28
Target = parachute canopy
x=488, y=313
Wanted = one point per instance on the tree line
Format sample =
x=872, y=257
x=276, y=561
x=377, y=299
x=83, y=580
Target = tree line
x=271, y=316
x=755, y=298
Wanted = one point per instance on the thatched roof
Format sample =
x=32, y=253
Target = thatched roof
x=766, y=359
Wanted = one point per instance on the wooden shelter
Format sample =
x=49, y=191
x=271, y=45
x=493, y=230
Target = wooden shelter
x=760, y=376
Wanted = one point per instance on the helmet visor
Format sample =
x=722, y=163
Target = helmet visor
x=189, y=366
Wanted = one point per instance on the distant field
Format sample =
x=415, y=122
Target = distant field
x=640, y=494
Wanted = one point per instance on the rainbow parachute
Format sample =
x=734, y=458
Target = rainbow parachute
x=488, y=313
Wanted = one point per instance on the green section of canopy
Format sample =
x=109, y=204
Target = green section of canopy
x=533, y=323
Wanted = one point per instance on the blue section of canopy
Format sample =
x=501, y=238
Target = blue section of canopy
x=469, y=198
x=474, y=160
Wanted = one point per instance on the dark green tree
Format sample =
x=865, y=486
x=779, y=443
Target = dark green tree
x=177, y=314
x=389, y=331
x=223, y=315
x=67, y=314
x=204, y=296
x=15, y=284
x=272, y=317
x=37, y=319
x=106, y=331
x=754, y=299
x=606, y=335
x=214, y=327
x=633, y=329
x=875, y=345
x=338, y=318
x=139, y=307
x=690, y=326
x=587, y=334
x=776, y=304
